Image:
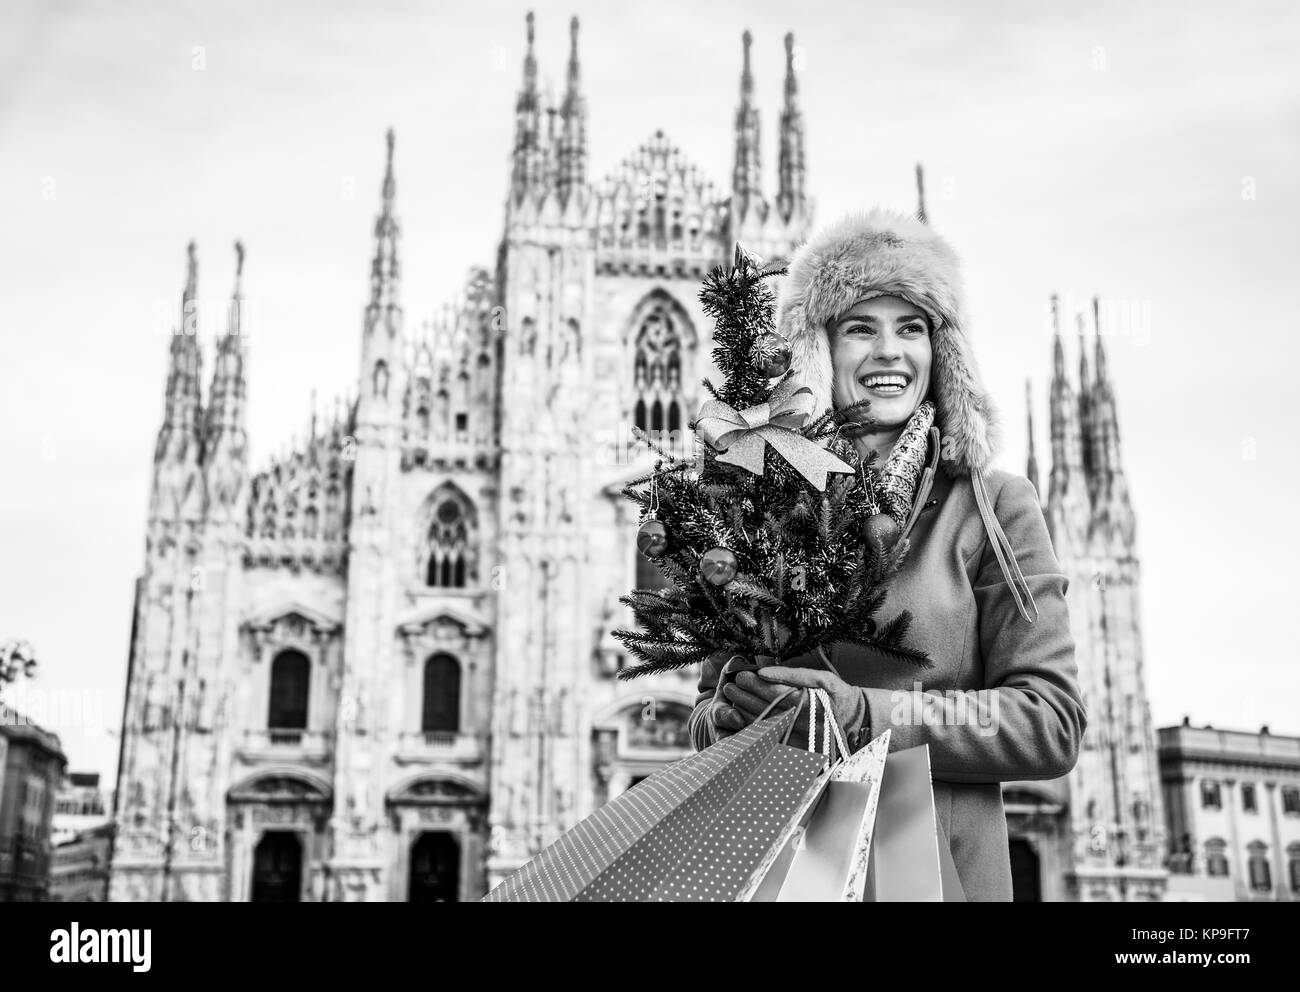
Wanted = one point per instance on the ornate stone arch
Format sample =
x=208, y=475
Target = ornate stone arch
x=637, y=735
x=436, y=788
x=661, y=343
x=281, y=784
x=280, y=799
x=449, y=547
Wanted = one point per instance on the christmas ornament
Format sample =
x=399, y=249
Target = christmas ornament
x=652, y=535
x=652, y=538
x=745, y=434
x=773, y=355
x=718, y=566
x=882, y=531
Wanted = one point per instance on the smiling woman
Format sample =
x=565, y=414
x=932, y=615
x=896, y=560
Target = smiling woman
x=881, y=356
x=872, y=308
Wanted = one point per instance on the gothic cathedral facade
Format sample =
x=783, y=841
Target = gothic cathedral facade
x=381, y=668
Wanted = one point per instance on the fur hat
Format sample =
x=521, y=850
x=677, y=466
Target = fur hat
x=882, y=253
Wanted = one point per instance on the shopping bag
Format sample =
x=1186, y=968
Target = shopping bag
x=697, y=830
x=832, y=862
x=825, y=856
x=910, y=859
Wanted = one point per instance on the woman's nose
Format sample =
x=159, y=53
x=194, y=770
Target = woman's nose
x=886, y=348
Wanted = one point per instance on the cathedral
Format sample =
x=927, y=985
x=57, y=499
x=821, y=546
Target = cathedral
x=381, y=667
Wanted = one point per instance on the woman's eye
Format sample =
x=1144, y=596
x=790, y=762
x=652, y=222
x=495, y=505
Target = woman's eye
x=914, y=329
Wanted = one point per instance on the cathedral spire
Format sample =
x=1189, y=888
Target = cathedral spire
x=179, y=436
x=382, y=328
x=791, y=198
x=1113, y=516
x=573, y=113
x=746, y=176
x=526, y=166
x=920, y=195
x=224, y=436
x=1067, y=499
x=1086, y=413
x=384, y=270
x=1031, y=466
x=550, y=139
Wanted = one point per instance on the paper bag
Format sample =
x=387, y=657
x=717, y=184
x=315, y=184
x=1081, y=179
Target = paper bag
x=824, y=857
x=910, y=859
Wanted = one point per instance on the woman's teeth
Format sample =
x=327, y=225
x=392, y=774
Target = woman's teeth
x=885, y=383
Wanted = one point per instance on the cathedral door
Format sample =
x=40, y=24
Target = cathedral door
x=1025, y=881
x=277, y=868
x=435, y=868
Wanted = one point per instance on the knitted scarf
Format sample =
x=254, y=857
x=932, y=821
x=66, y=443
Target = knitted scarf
x=902, y=469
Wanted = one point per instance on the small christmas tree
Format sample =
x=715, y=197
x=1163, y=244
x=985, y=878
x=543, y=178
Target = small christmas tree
x=765, y=546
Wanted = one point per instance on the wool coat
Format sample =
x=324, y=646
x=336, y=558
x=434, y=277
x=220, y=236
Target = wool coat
x=1001, y=701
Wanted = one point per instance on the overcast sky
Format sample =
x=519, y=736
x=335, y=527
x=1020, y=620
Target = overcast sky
x=1145, y=152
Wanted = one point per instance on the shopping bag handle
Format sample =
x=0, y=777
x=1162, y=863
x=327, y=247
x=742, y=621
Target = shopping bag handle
x=785, y=738
x=829, y=724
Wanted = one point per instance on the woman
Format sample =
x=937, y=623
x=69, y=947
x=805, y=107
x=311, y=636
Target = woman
x=872, y=308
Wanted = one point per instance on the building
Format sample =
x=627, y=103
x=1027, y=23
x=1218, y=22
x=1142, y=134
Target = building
x=1098, y=834
x=31, y=766
x=82, y=835
x=1233, y=802
x=381, y=668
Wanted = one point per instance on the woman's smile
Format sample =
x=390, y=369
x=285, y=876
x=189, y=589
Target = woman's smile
x=889, y=384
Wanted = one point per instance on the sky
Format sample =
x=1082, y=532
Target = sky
x=1143, y=152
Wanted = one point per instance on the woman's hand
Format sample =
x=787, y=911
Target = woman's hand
x=752, y=692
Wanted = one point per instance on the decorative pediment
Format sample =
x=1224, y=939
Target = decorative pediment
x=295, y=613
x=281, y=787
x=436, y=790
x=467, y=621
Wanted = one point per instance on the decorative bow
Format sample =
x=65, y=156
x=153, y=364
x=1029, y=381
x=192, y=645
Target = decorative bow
x=745, y=434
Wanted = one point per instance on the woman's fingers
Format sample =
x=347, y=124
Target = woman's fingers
x=728, y=718
x=766, y=690
x=804, y=678
x=751, y=704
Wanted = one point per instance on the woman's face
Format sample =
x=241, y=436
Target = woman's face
x=880, y=353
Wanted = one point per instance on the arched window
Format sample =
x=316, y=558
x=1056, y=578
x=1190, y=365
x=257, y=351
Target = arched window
x=1261, y=879
x=277, y=867
x=380, y=380
x=1216, y=858
x=435, y=868
x=659, y=338
x=657, y=724
x=451, y=559
x=462, y=405
x=290, y=681
x=440, y=712
x=442, y=404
